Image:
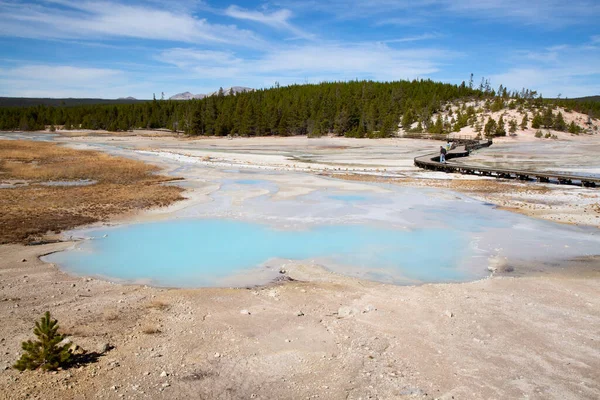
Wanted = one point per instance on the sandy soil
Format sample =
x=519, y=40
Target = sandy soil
x=322, y=336
x=315, y=334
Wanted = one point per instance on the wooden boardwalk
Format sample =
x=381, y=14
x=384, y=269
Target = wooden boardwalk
x=462, y=148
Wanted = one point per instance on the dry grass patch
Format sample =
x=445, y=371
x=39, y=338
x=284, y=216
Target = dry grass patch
x=151, y=330
x=158, y=305
x=122, y=185
x=111, y=315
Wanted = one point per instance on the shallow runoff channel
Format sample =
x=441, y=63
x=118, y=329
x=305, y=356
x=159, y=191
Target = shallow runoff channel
x=241, y=226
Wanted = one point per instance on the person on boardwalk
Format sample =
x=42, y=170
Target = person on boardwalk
x=442, y=154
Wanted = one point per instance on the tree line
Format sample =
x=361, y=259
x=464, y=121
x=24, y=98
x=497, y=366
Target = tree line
x=355, y=108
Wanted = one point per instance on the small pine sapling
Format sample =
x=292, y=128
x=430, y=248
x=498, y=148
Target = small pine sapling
x=45, y=353
x=512, y=126
x=524, y=122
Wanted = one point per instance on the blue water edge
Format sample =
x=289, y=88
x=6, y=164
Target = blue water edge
x=209, y=252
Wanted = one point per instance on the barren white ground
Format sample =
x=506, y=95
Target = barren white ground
x=321, y=335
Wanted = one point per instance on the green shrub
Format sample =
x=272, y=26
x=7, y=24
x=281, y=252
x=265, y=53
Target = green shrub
x=539, y=134
x=45, y=353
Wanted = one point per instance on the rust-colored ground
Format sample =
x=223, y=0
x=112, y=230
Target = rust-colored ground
x=29, y=211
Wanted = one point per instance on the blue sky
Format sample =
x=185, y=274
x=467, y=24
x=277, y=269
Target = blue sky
x=118, y=48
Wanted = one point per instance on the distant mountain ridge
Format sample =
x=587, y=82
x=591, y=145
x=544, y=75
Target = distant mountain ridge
x=226, y=92
x=588, y=98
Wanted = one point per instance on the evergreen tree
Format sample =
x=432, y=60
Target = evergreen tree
x=419, y=128
x=408, y=118
x=497, y=105
x=524, y=122
x=478, y=127
x=45, y=353
x=573, y=128
x=548, y=118
x=342, y=122
x=559, y=123
x=354, y=106
x=536, y=122
x=438, y=126
x=500, y=128
x=512, y=127
x=389, y=127
x=490, y=128
x=195, y=127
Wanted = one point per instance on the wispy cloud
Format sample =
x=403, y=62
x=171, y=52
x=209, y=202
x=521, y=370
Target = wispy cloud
x=400, y=21
x=533, y=12
x=58, y=81
x=334, y=61
x=557, y=69
x=276, y=19
x=98, y=20
x=406, y=12
x=425, y=36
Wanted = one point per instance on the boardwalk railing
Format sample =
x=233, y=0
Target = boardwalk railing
x=462, y=149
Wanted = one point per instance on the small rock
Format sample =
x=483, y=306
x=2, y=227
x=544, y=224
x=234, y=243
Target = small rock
x=300, y=314
x=287, y=340
x=369, y=308
x=282, y=271
x=346, y=311
x=166, y=384
x=103, y=348
x=24, y=260
x=73, y=285
x=245, y=312
x=114, y=387
x=448, y=314
x=163, y=374
x=217, y=355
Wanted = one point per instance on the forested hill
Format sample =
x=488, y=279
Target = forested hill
x=588, y=98
x=356, y=108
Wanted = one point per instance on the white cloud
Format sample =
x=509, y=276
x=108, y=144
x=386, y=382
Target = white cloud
x=425, y=36
x=408, y=12
x=534, y=12
x=97, y=20
x=277, y=19
x=59, y=81
x=570, y=70
x=311, y=63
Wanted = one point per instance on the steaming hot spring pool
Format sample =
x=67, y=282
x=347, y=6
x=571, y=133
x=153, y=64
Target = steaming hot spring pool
x=393, y=235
